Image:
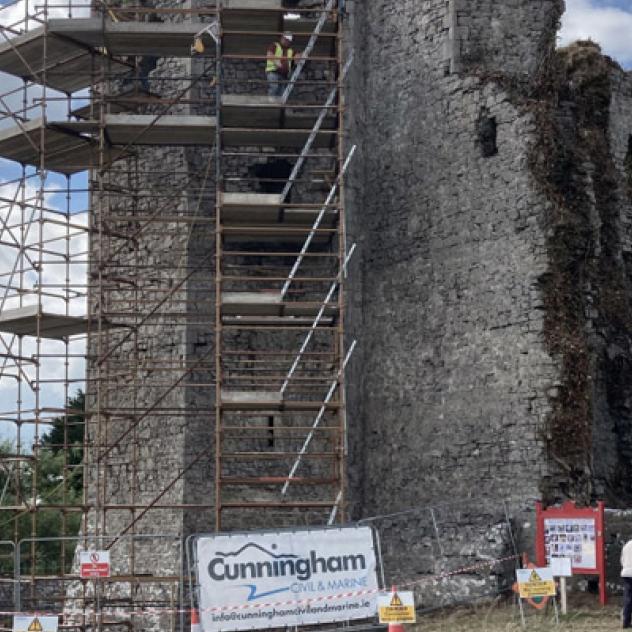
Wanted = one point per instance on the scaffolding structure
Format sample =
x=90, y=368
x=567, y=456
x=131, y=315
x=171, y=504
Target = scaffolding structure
x=177, y=251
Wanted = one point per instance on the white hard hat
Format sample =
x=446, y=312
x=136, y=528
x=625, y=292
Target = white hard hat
x=288, y=36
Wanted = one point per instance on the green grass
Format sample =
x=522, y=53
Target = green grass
x=585, y=615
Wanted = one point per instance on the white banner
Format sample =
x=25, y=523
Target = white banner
x=252, y=581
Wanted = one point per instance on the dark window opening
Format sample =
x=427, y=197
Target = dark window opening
x=488, y=136
x=628, y=161
x=271, y=431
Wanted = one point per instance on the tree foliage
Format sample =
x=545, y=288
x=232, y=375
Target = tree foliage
x=34, y=491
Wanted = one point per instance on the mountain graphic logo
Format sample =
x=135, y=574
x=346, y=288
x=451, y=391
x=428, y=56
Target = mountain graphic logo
x=253, y=545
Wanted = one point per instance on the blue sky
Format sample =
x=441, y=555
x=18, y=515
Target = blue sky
x=607, y=22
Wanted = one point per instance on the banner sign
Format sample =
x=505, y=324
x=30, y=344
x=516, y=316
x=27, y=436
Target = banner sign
x=32, y=623
x=248, y=581
x=535, y=582
x=397, y=607
x=94, y=564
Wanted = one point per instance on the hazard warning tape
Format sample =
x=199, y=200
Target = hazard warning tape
x=278, y=604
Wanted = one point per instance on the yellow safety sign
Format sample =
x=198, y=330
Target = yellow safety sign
x=536, y=582
x=397, y=607
x=35, y=623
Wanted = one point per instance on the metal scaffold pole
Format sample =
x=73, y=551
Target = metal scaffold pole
x=172, y=313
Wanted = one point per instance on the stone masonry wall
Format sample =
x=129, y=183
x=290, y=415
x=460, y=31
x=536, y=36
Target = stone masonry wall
x=456, y=377
x=492, y=208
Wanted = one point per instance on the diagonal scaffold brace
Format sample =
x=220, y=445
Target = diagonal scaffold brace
x=319, y=417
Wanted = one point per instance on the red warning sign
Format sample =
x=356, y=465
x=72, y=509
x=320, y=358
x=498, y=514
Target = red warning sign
x=94, y=564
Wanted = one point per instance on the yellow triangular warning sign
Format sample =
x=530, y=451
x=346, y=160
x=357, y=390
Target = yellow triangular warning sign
x=395, y=600
x=35, y=626
x=535, y=577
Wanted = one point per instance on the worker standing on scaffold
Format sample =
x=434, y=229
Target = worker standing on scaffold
x=279, y=61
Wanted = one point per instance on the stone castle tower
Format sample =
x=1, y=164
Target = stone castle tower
x=490, y=199
x=492, y=205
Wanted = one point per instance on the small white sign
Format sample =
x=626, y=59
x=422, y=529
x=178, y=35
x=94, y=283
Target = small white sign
x=34, y=623
x=561, y=566
x=94, y=564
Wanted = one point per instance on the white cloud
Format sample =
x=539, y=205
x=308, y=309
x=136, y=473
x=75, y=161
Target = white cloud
x=59, y=242
x=611, y=27
x=15, y=17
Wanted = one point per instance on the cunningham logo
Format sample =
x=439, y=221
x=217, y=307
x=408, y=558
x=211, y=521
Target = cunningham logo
x=221, y=568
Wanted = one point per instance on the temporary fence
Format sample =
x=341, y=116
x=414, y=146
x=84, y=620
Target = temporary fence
x=447, y=554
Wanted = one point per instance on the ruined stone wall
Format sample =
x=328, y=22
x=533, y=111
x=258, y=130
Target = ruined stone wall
x=455, y=371
x=491, y=292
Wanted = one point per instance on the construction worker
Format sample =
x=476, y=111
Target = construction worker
x=626, y=575
x=279, y=61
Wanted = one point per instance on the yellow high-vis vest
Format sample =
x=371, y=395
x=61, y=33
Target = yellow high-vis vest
x=278, y=55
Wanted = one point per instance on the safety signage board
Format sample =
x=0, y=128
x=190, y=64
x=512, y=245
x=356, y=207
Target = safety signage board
x=276, y=579
x=535, y=582
x=94, y=564
x=34, y=623
x=396, y=607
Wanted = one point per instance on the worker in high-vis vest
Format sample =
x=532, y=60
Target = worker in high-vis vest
x=279, y=60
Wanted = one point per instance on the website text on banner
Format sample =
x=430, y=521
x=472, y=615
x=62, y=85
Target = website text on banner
x=240, y=575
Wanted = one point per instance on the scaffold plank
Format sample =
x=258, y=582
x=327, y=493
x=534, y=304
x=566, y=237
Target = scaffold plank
x=269, y=400
x=32, y=321
x=254, y=15
x=268, y=304
x=149, y=129
x=57, y=62
x=243, y=210
x=265, y=112
x=247, y=33
x=296, y=138
x=162, y=39
x=63, y=152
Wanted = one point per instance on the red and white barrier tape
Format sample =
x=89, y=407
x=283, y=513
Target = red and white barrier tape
x=276, y=604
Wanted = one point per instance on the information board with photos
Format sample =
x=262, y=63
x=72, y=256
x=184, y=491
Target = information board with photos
x=576, y=533
x=574, y=538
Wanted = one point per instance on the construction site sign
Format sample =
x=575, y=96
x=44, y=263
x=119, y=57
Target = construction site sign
x=535, y=582
x=35, y=623
x=94, y=564
x=396, y=607
x=249, y=581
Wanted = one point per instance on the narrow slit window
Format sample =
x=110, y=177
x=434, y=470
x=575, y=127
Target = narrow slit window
x=488, y=136
x=271, y=431
x=628, y=161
